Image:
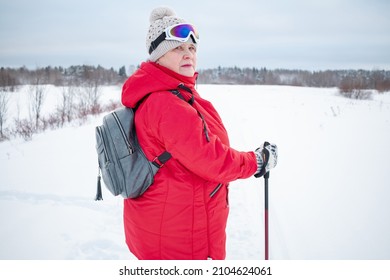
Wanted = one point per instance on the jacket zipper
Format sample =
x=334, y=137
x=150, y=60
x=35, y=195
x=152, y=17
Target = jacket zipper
x=216, y=190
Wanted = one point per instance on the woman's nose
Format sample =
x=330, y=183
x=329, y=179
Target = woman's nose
x=187, y=54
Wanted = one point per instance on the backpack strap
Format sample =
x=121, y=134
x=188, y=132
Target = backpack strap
x=191, y=102
x=160, y=160
x=174, y=92
x=140, y=101
x=178, y=94
x=165, y=156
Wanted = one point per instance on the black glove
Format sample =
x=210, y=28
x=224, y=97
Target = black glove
x=267, y=158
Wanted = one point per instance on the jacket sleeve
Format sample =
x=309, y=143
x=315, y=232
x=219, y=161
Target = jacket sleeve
x=180, y=130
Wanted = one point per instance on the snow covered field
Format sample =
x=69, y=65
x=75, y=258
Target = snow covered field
x=329, y=195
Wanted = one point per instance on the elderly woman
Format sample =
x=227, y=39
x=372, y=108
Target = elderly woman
x=184, y=212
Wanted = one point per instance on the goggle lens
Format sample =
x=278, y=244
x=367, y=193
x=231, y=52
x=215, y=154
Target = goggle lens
x=182, y=32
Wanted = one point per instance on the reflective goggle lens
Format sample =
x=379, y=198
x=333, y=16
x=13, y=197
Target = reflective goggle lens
x=182, y=32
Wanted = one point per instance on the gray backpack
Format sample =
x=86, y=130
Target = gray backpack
x=123, y=165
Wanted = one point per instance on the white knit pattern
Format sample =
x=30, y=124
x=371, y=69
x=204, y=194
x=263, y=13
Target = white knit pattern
x=163, y=48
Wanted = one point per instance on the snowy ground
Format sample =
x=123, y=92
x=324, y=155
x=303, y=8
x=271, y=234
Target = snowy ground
x=329, y=195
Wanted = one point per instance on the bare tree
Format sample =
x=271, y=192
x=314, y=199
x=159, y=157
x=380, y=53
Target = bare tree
x=93, y=92
x=89, y=95
x=4, y=98
x=65, y=108
x=37, y=96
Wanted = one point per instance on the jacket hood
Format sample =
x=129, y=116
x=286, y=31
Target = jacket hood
x=151, y=77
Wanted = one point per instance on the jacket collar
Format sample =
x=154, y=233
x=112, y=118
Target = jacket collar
x=151, y=77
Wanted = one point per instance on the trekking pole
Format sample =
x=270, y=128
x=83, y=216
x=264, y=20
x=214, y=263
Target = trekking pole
x=266, y=176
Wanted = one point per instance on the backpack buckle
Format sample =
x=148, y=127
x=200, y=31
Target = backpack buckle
x=160, y=160
x=156, y=161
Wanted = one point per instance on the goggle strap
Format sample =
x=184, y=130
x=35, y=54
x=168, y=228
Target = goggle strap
x=193, y=38
x=157, y=42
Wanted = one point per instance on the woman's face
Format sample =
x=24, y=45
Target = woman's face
x=182, y=59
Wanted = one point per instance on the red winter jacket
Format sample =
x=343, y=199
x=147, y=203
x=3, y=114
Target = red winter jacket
x=183, y=214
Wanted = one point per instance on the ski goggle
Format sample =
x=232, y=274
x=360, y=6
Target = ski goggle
x=180, y=32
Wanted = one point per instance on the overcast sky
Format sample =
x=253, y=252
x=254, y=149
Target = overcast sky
x=292, y=34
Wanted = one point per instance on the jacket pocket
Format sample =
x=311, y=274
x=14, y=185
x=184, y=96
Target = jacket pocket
x=215, y=191
x=227, y=196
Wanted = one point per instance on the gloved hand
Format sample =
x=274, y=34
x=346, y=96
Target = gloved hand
x=267, y=158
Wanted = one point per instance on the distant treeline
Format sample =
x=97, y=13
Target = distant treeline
x=359, y=79
x=97, y=75
x=80, y=90
x=60, y=76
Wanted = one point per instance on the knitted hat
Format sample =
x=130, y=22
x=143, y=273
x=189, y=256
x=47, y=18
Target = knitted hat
x=160, y=19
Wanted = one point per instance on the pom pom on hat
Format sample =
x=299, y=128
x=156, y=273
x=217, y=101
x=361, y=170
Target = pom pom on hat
x=160, y=19
x=160, y=13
